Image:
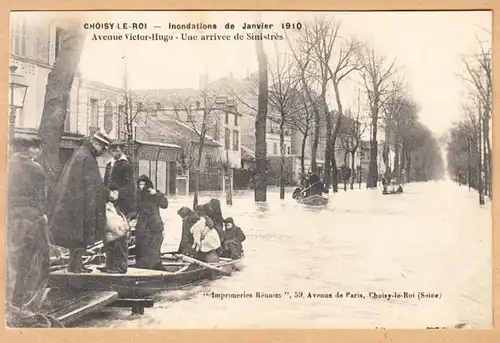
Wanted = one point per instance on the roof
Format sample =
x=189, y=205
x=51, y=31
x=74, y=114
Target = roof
x=247, y=153
x=171, y=131
x=166, y=145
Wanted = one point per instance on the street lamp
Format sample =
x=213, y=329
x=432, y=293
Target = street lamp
x=17, y=94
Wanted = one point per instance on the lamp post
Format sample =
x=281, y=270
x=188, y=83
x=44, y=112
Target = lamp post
x=17, y=94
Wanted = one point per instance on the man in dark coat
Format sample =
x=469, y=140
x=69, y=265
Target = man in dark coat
x=233, y=237
x=27, y=235
x=120, y=174
x=189, y=218
x=79, y=215
x=317, y=187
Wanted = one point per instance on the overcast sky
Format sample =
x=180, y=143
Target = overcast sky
x=426, y=45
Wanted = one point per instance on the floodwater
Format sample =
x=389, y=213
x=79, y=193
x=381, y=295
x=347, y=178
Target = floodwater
x=434, y=238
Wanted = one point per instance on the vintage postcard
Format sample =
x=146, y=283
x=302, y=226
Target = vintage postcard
x=250, y=170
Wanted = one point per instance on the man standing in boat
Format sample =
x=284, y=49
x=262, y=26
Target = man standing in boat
x=27, y=235
x=79, y=215
x=120, y=174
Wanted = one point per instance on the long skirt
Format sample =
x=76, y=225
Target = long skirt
x=117, y=255
x=148, y=244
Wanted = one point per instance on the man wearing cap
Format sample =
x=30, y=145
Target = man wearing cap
x=27, y=235
x=79, y=215
x=120, y=174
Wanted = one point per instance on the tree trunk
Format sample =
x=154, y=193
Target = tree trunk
x=353, y=153
x=372, y=178
x=486, y=154
x=408, y=166
x=328, y=149
x=282, y=158
x=480, y=162
x=385, y=154
x=260, y=126
x=302, y=154
x=57, y=95
x=198, y=166
x=335, y=134
x=315, y=143
x=397, y=163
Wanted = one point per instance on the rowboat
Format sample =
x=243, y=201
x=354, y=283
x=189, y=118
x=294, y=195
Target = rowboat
x=142, y=283
x=314, y=200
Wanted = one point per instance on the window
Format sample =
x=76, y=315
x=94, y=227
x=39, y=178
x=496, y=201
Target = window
x=227, y=117
x=227, y=143
x=288, y=150
x=108, y=117
x=59, y=33
x=67, y=120
x=122, y=122
x=235, y=119
x=94, y=112
x=19, y=39
x=275, y=149
x=236, y=140
x=216, y=132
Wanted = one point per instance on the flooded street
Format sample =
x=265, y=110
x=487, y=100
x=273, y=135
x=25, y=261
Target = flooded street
x=434, y=238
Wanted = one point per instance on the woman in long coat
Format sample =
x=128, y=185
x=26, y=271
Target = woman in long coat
x=149, y=228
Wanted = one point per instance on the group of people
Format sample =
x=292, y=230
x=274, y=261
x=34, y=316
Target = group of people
x=207, y=236
x=85, y=208
x=309, y=185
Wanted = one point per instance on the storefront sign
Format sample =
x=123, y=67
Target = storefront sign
x=147, y=153
x=167, y=155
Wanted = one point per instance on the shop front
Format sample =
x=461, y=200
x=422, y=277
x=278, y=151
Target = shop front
x=158, y=161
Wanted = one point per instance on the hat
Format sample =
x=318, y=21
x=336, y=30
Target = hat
x=229, y=220
x=26, y=142
x=117, y=143
x=101, y=137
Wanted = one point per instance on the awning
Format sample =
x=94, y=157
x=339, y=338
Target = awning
x=68, y=141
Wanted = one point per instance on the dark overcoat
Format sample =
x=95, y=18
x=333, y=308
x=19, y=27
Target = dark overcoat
x=149, y=229
x=79, y=215
x=189, y=218
x=121, y=176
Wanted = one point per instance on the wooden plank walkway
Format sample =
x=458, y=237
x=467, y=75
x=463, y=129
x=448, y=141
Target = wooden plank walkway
x=68, y=305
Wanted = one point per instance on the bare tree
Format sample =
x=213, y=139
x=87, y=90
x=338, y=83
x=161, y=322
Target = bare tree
x=479, y=76
x=303, y=122
x=376, y=73
x=346, y=63
x=302, y=54
x=352, y=138
x=283, y=101
x=57, y=95
x=391, y=113
x=206, y=103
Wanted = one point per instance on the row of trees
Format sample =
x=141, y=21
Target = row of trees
x=469, y=140
x=293, y=90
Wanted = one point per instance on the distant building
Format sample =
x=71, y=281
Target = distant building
x=92, y=106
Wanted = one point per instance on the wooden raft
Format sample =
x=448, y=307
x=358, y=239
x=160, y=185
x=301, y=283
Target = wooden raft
x=68, y=305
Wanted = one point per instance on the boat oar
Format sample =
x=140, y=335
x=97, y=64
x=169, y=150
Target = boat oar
x=202, y=264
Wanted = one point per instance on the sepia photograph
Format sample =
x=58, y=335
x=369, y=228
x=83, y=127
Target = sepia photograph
x=249, y=170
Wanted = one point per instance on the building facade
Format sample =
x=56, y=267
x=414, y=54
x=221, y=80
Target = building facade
x=92, y=106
